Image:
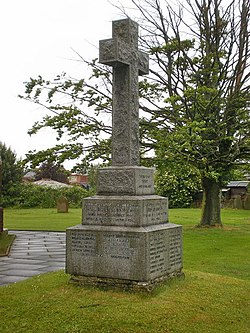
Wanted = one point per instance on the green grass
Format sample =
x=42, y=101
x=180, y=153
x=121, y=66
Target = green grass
x=213, y=297
x=5, y=242
x=220, y=251
x=40, y=219
x=49, y=219
x=201, y=303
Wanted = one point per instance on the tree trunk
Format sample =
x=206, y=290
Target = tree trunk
x=211, y=204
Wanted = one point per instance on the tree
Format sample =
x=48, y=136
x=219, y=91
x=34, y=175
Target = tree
x=179, y=182
x=83, y=117
x=11, y=175
x=195, y=103
x=205, y=83
x=52, y=171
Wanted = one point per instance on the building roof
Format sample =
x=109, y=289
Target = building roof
x=50, y=183
x=238, y=183
x=30, y=174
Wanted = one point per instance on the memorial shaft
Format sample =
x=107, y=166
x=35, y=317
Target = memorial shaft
x=121, y=52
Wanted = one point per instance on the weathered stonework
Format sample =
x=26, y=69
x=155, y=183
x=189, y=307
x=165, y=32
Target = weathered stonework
x=125, y=240
x=125, y=210
x=125, y=180
x=138, y=254
x=121, y=52
x=123, y=284
x=62, y=205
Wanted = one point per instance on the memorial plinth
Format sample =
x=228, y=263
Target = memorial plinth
x=125, y=239
x=130, y=180
x=135, y=254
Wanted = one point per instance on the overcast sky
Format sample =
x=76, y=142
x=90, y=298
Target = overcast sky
x=37, y=37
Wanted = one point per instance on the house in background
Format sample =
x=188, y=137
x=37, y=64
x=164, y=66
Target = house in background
x=74, y=179
x=50, y=183
x=78, y=179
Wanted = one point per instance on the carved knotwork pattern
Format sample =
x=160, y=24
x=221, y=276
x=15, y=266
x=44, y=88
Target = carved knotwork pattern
x=121, y=52
x=117, y=181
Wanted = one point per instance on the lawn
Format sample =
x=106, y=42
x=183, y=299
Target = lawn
x=40, y=219
x=5, y=243
x=213, y=297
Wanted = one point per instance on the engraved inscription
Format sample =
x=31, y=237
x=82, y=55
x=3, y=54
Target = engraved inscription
x=155, y=212
x=107, y=213
x=84, y=244
x=157, y=255
x=136, y=212
x=145, y=181
x=119, y=246
x=175, y=252
x=108, y=246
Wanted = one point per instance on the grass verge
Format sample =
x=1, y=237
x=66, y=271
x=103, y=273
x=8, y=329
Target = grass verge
x=214, y=297
x=40, y=219
x=49, y=219
x=203, y=302
x=5, y=243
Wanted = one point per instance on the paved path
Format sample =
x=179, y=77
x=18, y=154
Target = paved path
x=32, y=253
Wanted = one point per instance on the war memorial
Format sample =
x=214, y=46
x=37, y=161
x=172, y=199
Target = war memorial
x=125, y=239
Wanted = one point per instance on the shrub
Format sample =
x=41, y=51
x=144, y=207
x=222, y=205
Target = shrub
x=46, y=197
x=179, y=184
x=11, y=174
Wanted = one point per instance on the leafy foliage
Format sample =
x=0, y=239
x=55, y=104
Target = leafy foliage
x=205, y=85
x=178, y=182
x=32, y=196
x=11, y=175
x=84, y=119
x=52, y=171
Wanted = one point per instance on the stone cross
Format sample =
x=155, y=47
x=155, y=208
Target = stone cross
x=121, y=52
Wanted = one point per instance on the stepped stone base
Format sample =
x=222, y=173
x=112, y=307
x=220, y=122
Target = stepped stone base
x=125, y=210
x=124, y=285
x=140, y=254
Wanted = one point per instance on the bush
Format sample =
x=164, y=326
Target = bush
x=32, y=196
x=179, y=184
x=11, y=175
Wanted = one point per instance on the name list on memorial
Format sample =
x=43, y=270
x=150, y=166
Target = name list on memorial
x=133, y=212
x=115, y=246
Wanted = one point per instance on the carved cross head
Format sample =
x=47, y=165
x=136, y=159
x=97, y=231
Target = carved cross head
x=122, y=49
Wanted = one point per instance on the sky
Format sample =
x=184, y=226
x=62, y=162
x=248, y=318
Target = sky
x=37, y=38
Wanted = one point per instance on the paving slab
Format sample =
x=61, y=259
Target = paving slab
x=33, y=253
x=22, y=272
x=5, y=280
x=26, y=267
